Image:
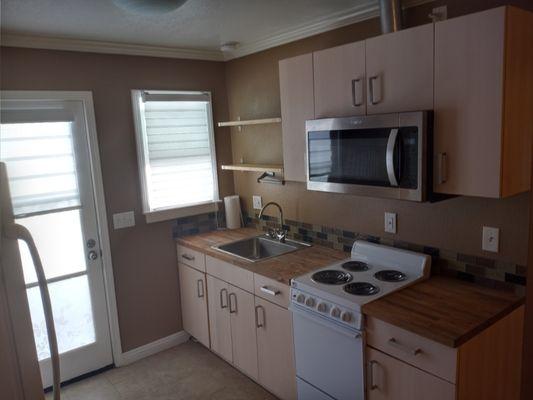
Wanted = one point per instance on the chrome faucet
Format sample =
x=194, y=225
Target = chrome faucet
x=279, y=234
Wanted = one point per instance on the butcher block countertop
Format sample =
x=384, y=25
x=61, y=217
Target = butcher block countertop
x=282, y=268
x=446, y=310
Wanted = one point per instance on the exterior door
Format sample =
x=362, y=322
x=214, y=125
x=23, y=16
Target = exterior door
x=45, y=146
x=194, y=303
x=339, y=76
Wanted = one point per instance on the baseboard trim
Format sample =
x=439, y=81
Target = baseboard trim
x=153, y=348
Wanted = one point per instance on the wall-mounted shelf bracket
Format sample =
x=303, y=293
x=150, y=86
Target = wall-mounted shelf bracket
x=270, y=177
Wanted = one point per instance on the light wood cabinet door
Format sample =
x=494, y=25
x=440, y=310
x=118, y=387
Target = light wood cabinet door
x=193, y=297
x=391, y=379
x=243, y=330
x=297, y=106
x=339, y=81
x=275, y=349
x=399, y=71
x=219, y=318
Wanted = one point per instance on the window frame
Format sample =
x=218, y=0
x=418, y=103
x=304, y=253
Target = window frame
x=141, y=140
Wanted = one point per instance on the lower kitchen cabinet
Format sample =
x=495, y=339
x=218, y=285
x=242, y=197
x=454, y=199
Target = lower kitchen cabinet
x=275, y=352
x=193, y=297
x=219, y=317
x=391, y=379
x=243, y=334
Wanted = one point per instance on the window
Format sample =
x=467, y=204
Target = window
x=176, y=153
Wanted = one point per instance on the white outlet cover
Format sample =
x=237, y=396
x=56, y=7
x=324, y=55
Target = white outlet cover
x=123, y=220
x=257, y=202
x=390, y=222
x=491, y=239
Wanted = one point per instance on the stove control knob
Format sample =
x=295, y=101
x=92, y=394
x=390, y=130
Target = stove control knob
x=310, y=302
x=300, y=298
x=322, y=307
x=335, y=312
x=346, y=316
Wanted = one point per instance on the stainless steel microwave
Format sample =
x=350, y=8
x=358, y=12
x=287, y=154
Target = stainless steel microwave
x=376, y=155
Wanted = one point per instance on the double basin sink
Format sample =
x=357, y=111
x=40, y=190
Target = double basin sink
x=259, y=248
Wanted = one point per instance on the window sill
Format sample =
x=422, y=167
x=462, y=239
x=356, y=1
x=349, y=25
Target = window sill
x=174, y=213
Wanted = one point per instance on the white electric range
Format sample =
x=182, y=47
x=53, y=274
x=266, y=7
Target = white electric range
x=327, y=320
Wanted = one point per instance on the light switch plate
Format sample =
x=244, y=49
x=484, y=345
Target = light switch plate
x=123, y=220
x=491, y=239
x=258, y=202
x=390, y=222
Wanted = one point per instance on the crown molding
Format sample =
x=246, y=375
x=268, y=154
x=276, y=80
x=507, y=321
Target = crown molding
x=367, y=10
x=95, y=46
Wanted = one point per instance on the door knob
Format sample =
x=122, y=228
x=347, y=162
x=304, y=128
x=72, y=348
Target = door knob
x=93, y=255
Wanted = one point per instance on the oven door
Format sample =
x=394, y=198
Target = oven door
x=380, y=156
x=329, y=358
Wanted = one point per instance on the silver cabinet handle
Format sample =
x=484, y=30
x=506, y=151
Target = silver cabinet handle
x=232, y=310
x=187, y=257
x=372, y=384
x=272, y=292
x=257, y=323
x=355, y=84
x=443, y=168
x=200, y=287
x=389, y=155
x=92, y=255
x=406, y=349
x=371, y=89
x=224, y=290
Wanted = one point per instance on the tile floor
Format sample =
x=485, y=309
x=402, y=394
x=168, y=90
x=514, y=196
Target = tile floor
x=188, y=371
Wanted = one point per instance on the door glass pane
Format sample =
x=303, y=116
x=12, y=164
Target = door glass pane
x=355, y=156
x=73, y=317
x=41, y=165
x=58, y=237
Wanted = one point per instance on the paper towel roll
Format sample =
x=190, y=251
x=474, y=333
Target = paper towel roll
x=232, y=206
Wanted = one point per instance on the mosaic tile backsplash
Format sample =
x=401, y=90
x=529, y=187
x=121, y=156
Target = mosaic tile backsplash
x=484, y=271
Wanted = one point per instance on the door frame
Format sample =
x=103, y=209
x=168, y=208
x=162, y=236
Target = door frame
x=86, y=97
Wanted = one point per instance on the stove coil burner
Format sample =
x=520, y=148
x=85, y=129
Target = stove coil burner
x=361, y=288
x=355, y=266
x=331, y=277
x=390, y=275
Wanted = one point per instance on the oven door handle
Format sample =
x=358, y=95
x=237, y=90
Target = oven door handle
x=391, y=144
x=353, y=334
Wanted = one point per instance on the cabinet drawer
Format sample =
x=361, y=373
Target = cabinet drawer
x=271, y=290
x=423, y=353
x=230, y=273
x=191, y=258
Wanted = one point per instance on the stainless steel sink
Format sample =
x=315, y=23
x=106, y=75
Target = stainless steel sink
x=259, y=248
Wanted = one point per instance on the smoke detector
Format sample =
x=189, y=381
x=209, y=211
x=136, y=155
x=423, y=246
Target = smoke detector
x=228, y=47
x=149, y=6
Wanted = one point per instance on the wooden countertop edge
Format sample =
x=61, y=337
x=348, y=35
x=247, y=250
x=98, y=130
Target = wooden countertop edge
x=444, y=339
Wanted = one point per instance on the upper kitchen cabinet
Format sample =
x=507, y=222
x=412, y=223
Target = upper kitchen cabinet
x=399, y=71
x=297, y=106
x=339, y=81
x=483, y=103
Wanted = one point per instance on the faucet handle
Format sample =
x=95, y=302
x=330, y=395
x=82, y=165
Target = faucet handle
x=281, y=234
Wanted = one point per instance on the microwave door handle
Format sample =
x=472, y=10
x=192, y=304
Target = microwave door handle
x=391, y=144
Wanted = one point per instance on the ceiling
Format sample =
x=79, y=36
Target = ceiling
x=196, y=30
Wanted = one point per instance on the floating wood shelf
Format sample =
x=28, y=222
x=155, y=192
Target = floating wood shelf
x=276, y=168
x=240, y=123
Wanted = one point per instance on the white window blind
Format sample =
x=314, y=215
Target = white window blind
x=40, y=164
x=177, y=149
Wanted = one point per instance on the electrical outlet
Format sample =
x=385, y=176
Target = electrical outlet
x=491, y=239
x=258, y=202
x=390, y=222
x=123, y=220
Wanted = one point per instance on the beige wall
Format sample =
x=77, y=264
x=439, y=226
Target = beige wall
x=456, y=224
x=144, y=259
